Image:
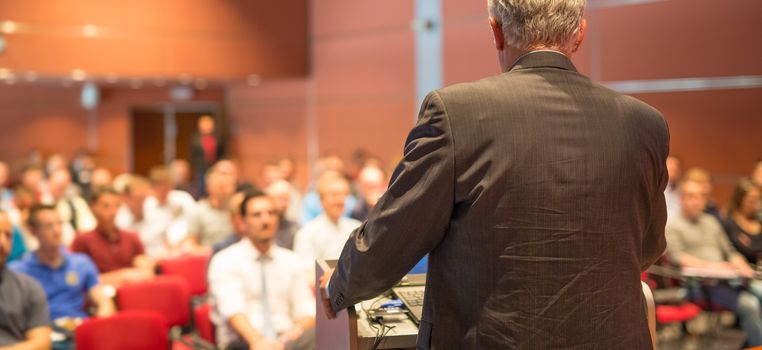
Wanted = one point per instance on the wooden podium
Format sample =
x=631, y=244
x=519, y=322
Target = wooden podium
x=351, y=330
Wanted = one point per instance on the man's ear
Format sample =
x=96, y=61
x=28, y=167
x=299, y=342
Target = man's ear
x=497, y=32
x=580, y=35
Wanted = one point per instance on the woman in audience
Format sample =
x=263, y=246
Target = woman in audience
x=742, y=224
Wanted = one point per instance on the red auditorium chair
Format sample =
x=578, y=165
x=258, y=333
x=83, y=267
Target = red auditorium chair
x=190, y=267
x=204, y=325
x=128, y=330
x=671, y=306
x=167, y=295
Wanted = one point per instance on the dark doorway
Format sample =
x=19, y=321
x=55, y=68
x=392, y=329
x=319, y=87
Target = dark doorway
x=148, y=131
x=161, y=134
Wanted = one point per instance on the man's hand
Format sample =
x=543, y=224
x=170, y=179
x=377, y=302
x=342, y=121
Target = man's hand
x=292, y=334
x=324, y=294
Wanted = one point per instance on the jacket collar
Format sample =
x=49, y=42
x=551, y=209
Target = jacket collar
x=543, y=58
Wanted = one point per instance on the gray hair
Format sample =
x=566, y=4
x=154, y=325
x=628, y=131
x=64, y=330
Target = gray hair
x=529, y=24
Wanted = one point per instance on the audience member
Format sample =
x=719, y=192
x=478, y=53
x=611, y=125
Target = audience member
x=181, y=177
x=671, y=192
x=325, y=236
x=24, y=322
x=262, y=297
x=68, y=279
x=742, y=223
x=23, y=200
x=168, y=208
x=119, y=255
x=281, y=171
x=696, y=239
x=281, y=192
x=371, y=185
x=18, y=247
x=81, y=168
x=207, y=148
x=6, y=194
x=100, y=177
x=703, y=177
x=33, y=178
x=74, y=211
x=236, y=220
x=134, y=216
x=311, y=206
x=228, y=167
x=210, y=223
x=55, y=162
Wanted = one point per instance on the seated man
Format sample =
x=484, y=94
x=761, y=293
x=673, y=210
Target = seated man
x=239, y=229
x=696, y=239
x=119, y=255
x=67, y=278
x=325, y=236
x=210, y=223
x=281, y=191
x=261, y=294
x=24, y=320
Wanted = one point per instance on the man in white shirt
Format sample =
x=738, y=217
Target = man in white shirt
x=169, y=209
x=262, y=297
x=325, y=236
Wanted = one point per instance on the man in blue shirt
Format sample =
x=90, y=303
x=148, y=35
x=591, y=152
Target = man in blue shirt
x=67, y=278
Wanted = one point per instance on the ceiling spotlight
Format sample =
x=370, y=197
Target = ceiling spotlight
x=8, y=27
x=90, y=30
x=78, y=75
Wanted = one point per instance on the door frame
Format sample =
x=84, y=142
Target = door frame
x=170, y=110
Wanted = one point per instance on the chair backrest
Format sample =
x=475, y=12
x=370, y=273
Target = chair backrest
x=190, y=267
x=124, y=331
x=204, y=325
x=167, y=295
x=650, y=311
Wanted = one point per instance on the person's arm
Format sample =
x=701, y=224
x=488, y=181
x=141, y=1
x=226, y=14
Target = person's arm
x=37, y=338
x=36, y=319
x=741, y=266
x=144, y=264
x=654, y=241
x=735, y=259
x=405, y=224
x=103, y=301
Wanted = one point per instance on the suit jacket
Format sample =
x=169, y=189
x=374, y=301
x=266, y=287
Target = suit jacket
x=539, y=198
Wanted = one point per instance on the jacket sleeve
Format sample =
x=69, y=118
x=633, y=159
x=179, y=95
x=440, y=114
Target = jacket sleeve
x=654, y=241
x=409, y=220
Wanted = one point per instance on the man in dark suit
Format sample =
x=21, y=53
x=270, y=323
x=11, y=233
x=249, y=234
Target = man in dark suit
x=537, y=194
x=207, y=148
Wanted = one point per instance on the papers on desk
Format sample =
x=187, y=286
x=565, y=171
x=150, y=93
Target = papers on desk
x=703, y=272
